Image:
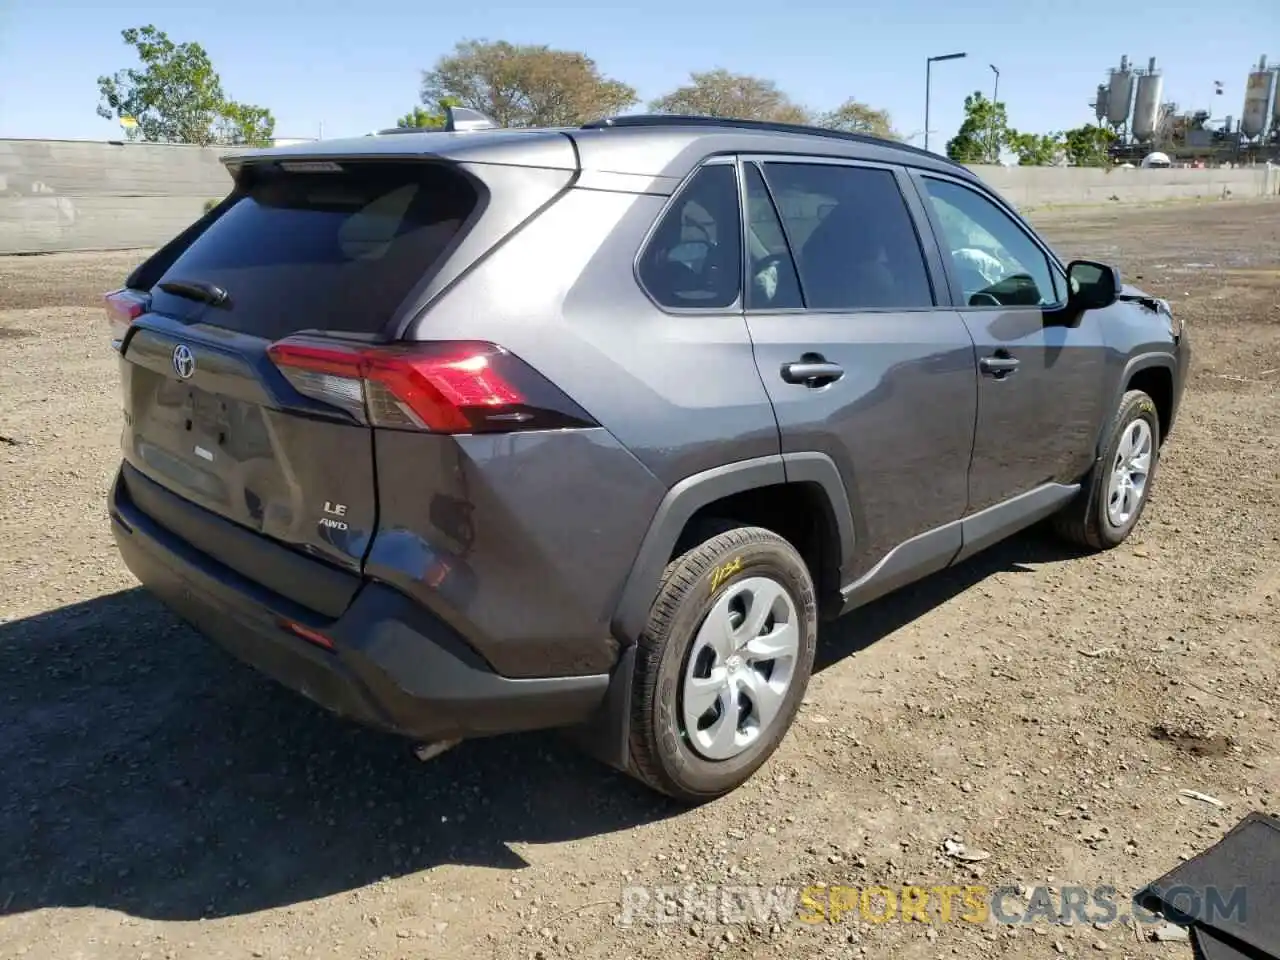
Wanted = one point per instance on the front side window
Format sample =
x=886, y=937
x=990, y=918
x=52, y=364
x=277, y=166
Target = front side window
x=852, y=235
x=694, y=258
x=997, y=264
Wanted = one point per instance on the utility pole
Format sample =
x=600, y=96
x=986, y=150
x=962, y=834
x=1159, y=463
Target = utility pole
x=928, y=79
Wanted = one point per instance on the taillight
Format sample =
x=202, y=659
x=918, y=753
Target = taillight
x=443, y=387
x=123, y=307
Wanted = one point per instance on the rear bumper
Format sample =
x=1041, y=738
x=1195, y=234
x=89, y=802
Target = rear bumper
x=393, y=665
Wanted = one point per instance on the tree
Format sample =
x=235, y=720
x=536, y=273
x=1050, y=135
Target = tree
x=525, y=85
x=1036, y=149
x=424, y=117
x=420, y=116
x=241, y=124
x=719, y=93
x=177, y=96
x=854, y=116
x=1089, y=146
x=983, y=133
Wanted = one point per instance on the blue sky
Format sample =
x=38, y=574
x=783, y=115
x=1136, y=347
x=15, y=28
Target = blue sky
x=355, y=66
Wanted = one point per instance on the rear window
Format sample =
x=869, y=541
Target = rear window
x=333, y=251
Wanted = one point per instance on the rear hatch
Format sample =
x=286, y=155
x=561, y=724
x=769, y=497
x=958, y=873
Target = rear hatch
x=305, y=260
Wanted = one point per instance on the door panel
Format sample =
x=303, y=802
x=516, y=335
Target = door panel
x=1038, y=423
x=1041, y=395
x=898, y=423
x=888, y=387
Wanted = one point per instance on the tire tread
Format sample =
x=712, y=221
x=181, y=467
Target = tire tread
x=679, y=577
x=1080, y=522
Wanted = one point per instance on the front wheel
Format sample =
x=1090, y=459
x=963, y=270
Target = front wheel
x=1118, y=487
x=723, y=663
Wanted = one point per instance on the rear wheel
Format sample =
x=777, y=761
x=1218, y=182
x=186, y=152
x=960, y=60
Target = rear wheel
x=1116, y=491
x=723, y=663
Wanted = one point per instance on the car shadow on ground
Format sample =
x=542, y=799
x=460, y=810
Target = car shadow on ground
x=145, y=771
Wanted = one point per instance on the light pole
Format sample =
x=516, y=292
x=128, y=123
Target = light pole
x=995, y=98
x=928, y=77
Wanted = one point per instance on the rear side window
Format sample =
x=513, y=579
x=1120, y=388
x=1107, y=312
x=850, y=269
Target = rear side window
x=852, y=235
x=335, y=251
x=694, y=258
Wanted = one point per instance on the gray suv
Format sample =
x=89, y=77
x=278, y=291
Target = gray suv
x=467, y=432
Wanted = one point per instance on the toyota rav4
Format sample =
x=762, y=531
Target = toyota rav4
x=474, y=431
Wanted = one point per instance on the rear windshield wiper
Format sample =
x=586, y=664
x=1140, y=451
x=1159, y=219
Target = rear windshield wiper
x=198, y=290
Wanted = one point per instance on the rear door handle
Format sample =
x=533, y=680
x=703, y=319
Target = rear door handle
x=812, y=373
x=998, y=366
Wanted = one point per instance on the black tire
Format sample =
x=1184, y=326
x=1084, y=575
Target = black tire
x=661, y=755
x=1085, y=521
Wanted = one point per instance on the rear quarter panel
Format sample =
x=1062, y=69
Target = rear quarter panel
x=519, y=541
x=681, y=392
x=554, y=521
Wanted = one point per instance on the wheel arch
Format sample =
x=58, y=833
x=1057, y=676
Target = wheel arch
x=1156, y=381
x=1154, y=369
x=813, y=475
x=606, y=736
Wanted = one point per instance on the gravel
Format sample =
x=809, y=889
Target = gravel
x=1045, y=708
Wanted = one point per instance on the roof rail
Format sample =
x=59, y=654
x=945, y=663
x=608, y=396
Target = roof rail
x=769, y=126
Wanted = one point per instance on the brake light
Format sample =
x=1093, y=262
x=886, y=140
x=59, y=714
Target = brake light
x=443, y=387
x=123, y=307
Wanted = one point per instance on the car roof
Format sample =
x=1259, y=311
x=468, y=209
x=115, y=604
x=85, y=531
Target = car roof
x=642, y=145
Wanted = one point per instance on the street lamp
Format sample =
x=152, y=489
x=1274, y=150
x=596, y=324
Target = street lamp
x=928, y=70
x=995, y=98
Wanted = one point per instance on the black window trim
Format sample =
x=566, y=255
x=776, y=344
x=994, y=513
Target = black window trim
x=918, y=176
x=743, y=162
x=735, y=308
x=934, y=263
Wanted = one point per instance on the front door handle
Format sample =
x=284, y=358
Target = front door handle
x=999, y=366
x=812, y=373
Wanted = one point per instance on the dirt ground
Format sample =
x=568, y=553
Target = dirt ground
x=162, y=801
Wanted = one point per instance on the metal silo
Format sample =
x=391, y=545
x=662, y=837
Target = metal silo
x=1275, y=110
x=1146, y=104
x=1257, y=101
x=1119, y=93
x=1100, y=103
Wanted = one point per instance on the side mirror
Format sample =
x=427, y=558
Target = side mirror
x=1091, y=285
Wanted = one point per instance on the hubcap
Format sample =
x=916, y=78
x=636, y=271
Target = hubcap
x=740, y=668
x=1129, y=473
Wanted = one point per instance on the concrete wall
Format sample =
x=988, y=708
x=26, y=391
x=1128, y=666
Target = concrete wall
x=81, y=195
x=1046, y=186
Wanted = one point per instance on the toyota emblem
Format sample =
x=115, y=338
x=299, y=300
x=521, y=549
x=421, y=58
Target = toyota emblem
x=184, y=362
